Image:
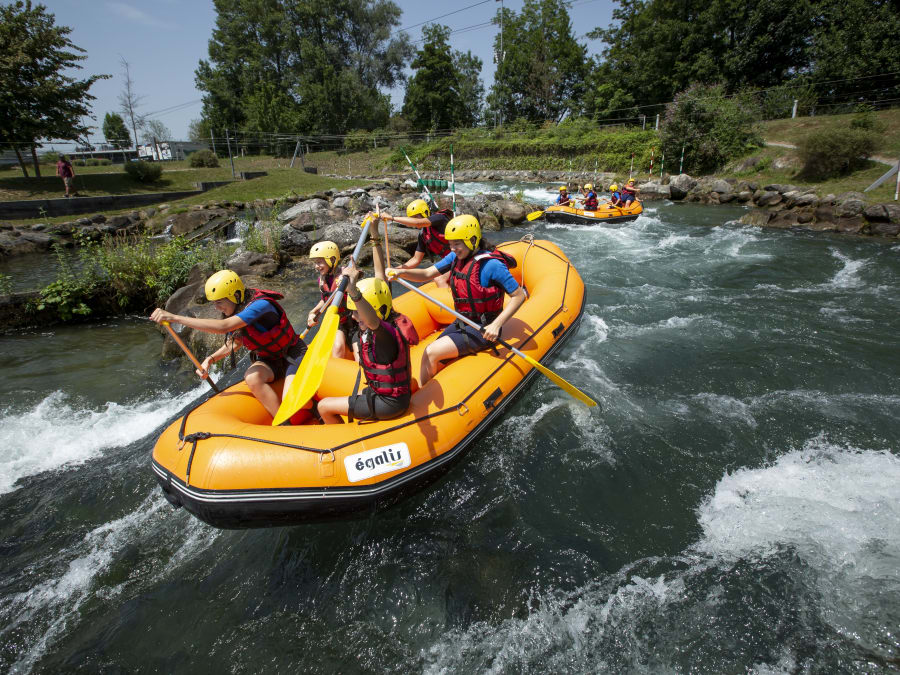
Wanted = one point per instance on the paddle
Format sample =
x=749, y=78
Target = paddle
x=312, y=368
x=570, y=389
x=189, y=354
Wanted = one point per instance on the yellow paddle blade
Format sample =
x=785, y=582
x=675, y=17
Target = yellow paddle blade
x=534, y=215
x=312, y=368
x=570, y=389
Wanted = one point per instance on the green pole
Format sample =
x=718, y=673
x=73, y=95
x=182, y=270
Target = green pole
x=427, y=191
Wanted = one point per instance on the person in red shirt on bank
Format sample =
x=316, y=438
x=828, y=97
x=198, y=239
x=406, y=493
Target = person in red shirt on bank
x=66, y=171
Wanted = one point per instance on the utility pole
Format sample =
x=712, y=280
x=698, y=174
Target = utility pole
x=228, y=141
x=212, y=140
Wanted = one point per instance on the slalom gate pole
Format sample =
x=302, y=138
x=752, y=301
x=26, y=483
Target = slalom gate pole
x=631, y=170
x=650, y=174
x=681, y=166
x=453, y=179
x=427, y=191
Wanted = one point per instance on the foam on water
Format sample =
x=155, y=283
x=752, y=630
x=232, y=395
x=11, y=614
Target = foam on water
x=57, y=432
x=837, y=508
x=848, y=275
x=48, y=606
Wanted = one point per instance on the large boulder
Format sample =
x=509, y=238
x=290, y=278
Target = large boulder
x=183, y=223
x=883, y=213
x=850, y=225
x=191, y=293
x=680, y=185
x=654, y=191
x=779, y=188
x=311, y=221
x=252, y=262
x=508, y=211
x=315, y=204
x=294, y=241
x=885, y=229
x=489, y=222
x=768, y=198
x=850, y=208
x=721, y=186
x=757, y=217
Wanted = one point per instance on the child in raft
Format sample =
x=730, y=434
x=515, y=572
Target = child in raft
x=382, y=349
x=563, y=199
x=431, y=226
x=629, y=192
x=590, y=198
x=479, y=278
x=615, y=196
x=325, y=256
x=251, y=318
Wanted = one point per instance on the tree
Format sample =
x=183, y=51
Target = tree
x=199, y=131
x=37, y=98
x=540, y=76
x=712, y=127
x=327, y=59
x=444, y=86
x=129, y=102
x=115, y=131
x=156, y=130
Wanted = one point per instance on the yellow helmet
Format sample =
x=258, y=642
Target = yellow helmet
x=465, y=228
x=589, y=186
x=418, y=207
x=613, y=187
x=326, y=250
x=563, y=188
x=631, y=181
x=225, y=285
x=377, y=293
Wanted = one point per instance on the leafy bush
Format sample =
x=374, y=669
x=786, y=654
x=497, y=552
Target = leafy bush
x=92, y=161
x=144, y=172
x=49, y=157
x=204, y=158
x=711, y=127
x=829, y=153
x=358, y=141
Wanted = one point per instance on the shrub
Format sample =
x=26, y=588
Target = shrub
x=204, y=158
x=711, y=127
x=144, y=172
x=49, y=157
x=92, y=161
x=829, y=153
x=358, y=141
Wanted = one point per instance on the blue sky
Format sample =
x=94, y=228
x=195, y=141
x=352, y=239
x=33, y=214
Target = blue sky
x=163, y=41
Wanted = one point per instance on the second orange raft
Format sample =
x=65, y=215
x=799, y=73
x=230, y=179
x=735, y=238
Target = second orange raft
x=226, y=464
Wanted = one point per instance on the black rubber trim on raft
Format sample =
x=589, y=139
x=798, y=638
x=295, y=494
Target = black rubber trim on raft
x=203, y=435
x=349, y=495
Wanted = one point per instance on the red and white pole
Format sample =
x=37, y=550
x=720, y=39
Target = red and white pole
x=651, y=162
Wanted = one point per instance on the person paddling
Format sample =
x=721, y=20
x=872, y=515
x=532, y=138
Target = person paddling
x=590, y=197
x=563, y=199
x=325, y=256
x=382, y=349
x=615, y=196
x=479, y=277
x=629, y=192
x=252, y=318
x=431, y=235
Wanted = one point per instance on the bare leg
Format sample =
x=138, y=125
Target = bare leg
x=331, y=408
x=340, y=345
x=259, y=377
x=439, y=350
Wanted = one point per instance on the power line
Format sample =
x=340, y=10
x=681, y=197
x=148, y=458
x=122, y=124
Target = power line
x=456, y=11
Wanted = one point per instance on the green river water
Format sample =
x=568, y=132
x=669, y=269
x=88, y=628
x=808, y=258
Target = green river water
x=733, y=507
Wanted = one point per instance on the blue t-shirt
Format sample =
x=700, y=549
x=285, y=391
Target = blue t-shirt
x=492, y=270
x=260, y=313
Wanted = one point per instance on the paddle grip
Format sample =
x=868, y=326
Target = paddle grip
x=189, y=354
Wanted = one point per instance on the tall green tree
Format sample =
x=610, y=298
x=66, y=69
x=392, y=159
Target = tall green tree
x=115, y=131
x=445, y=90
x=540, y=74
x=319, y=63
x=38, y=99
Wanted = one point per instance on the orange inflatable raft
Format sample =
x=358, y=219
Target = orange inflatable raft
x=605, y=214
x=226, y=464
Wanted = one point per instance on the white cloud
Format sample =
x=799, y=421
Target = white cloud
x=135, y=14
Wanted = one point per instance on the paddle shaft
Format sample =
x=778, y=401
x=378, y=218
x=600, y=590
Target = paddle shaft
x=189, y=354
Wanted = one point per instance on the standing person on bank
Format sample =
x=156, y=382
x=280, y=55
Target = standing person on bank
x=325, y=256
x=252, y=318
x=479, y=279
x=66, y=171
x=431, y=233
x=382, y=349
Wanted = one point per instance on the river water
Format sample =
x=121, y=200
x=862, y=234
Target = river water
x=734, y=506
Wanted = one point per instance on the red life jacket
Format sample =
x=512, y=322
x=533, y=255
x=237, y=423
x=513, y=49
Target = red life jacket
x=474, y=301
x=273, y=343
x=327, y=286
x=434, y=241
x=392, y=379
x=629, y=193
x=590, y=202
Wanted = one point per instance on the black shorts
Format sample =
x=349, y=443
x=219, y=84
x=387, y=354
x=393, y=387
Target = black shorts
x=467, y=340
x=350, y=329
x=367, y=405
x=286, y=365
